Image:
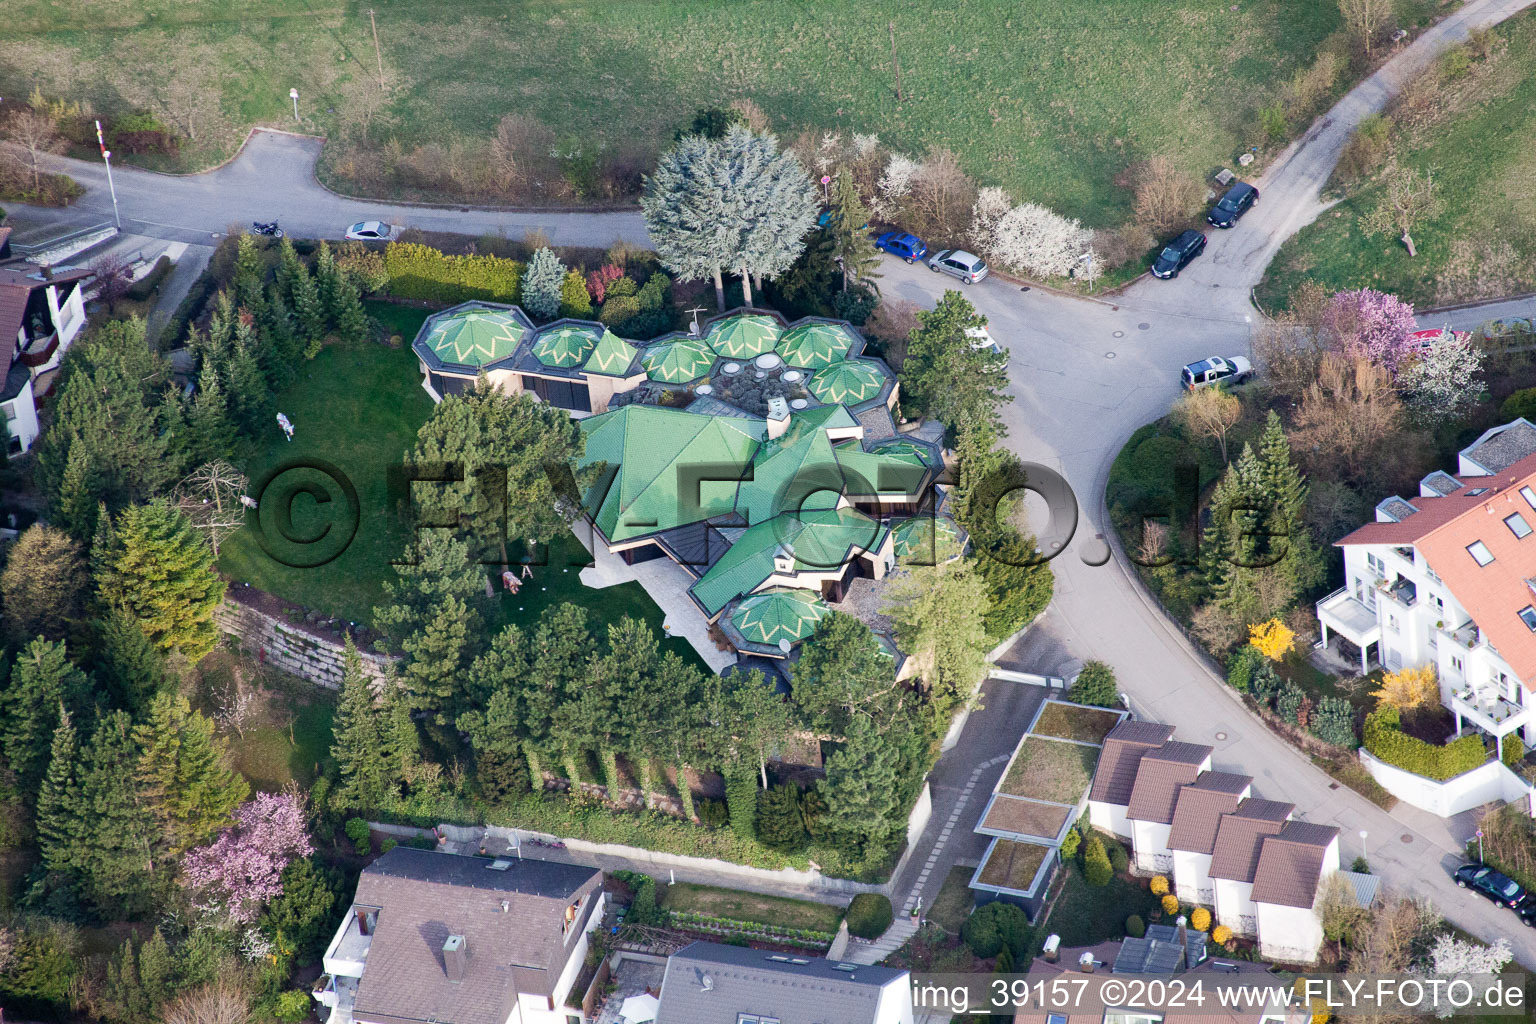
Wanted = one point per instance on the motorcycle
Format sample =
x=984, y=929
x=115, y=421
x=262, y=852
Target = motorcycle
x=267, y=229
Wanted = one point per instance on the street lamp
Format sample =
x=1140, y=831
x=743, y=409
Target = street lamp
x=293, y=94
x=106, y=157
x=1363, y=836
x=1479, y=844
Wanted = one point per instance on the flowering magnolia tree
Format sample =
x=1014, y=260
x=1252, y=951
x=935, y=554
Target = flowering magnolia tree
x=1453, y=956
x=1443, y=382
x=241, y=871
x=1372, y=325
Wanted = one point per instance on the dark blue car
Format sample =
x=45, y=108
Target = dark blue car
x=1487, y=882
x=908, y=247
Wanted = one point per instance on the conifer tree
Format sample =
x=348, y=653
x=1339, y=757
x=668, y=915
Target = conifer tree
x=328, y=283
x=402, y=738
x=284, y=346
x=359, y=743
x=185, y=772
x=308, y=309
x=494, y=736
x=160, y=570
x=126, y=663
x=436, y=655
x=249, y=270
x=208, y=422
x=59, y=836
x=75, y=509
x=42, y=681
x=250, y=399
x=115, y=858
x=541, y=285
x=779, y=824
x=861, y=786
x=563, y=647
x=574, y=300
x=351, y=322
x=157, y=969
x=849, y=226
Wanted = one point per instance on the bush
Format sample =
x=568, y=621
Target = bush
x=1366, y=150
x=1095, y=685
x=869, y=915
x=1135, y=927
x=1200, y=919
x=712, y=813
x=1273, y=121
x=1334, y=722
x=854, y=305
x=1511, y=750
x=1070, y=844
x=293, y=1006
x=422, y=272
x=1170, y=904
x=145, y=286
x=996, y=927
x=357, y=831
x=574, y=300
x=653, y=296
x=1520, y=405
x=388, y=844
x=363, y=266
x=643, y=909
x=779, y=824
x=1222, y=935
x=1288, y=700
x=1159, y=885
x=1385, y=739
x=1266, y=684
x=1240, y=667
x=618, y=309
x=1118, y=858
x=1097, y=870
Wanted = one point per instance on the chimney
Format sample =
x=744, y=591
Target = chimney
x=1085, y=963
x=1183, y=926
x=47, y=269
x=455, y=957
x=1052, y=949
x=778, y=416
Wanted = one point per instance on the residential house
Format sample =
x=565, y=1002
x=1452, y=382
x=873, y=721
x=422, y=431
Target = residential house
x=461, y=940
x=1162, y=772
x=1192, y=835
x=1235, y=859
x=1292, y=864
x=708, y=983
x=1124, y=748
x=1448, y=578
x=42, y=311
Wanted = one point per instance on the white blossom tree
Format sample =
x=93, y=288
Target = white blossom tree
x=895, y=183
x=1036, y=240
x=992, y=204
x=1453, y=956
x=1445, y=380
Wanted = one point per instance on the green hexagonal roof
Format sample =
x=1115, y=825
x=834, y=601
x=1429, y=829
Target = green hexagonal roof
x=612, y=356
x=745, y=336
x=815, y=346
x=925, y=534
x=779, y=614
x=474, y=337
x=678, y=362
x=566, y=346
x=849, y=382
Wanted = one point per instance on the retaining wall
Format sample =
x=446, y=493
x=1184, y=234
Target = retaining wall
x=289, y=647
x=1491, y=781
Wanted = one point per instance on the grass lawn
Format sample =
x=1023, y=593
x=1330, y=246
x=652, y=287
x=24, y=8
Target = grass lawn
x=1026, y=817
x=1051, y=770
x=749, y=906
x=1483, y=243
x=289, y=736
x=1074, y=723
x=1013, y=865
x=1032, y=98
x=954, y=902
x=1084, y=915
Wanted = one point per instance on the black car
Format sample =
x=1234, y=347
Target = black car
x=1238, y=200
x=1526, y=911
x=1501, y=889
x=1177, y=254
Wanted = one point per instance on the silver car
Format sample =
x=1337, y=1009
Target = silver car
x=958, y=263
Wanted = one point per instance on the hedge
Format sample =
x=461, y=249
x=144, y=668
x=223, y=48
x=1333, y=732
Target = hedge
x=1385, y=739
x=145, y=286
x=869, y=915
x=422, y=272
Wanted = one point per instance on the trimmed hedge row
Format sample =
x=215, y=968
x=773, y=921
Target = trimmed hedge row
x=807, y=937
x=422, y=272
x=145, y=286
x=1385, y=738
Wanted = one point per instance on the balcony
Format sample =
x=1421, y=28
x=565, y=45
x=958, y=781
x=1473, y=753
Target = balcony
x=1403, y=592
x=1487, y=709
x=349, y=949
x=337, y=994
x=39, y=350
x=1348, y=617
x=1467, y=635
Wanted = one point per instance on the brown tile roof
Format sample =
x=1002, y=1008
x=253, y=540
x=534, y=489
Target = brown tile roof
x=1236, y=853
x=13, y=310
x=1123, y=749
x=423, y=897
x=1291, y=864
x=1200, y=805
x=1158, y=778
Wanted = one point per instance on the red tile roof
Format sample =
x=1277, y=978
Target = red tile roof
x=1197, y=814
x=1240, y=834
x=1159, y=776
x=1122, y=753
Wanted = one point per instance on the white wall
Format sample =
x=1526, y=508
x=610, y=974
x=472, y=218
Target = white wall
x=1289, y=933
x=1192, y=877
x=1235, y=907
x=578, y=954
x=1109, y=817
x=1491, y=781
x=1150, y=841
x=895, y=1006
x=21, y=416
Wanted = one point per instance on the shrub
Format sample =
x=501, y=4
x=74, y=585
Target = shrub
x=1118, y=858
x=869, y=915
x=1200, y=919
x=1366, y=151
x=712, y=813
x=1273, y=121
x=1240, y=667
x=363, y=266
x=741, y=801
x=1095, y=685
x=145, y=286
x=854, y=305
x=1159, y=885
x=574, y=300
x=643, y=909
x=1070, y=844
x=1222, y=935
x=1288, y=700
x=1097, y=870
x=618, y=309
x=1334, y=722
x=1273, y=639
x=1511, y=750
x=1520, y=405
x=357, y=831
x=1266, y=684
x=1170, y=904
x=293, y=1006
x=779, y=824
x=422, y=272
x=996, y=927
x=654, y=295
x=1385, y=739
x=1135, y=927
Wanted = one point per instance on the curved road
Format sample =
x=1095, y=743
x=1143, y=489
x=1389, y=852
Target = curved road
x=1086, y=373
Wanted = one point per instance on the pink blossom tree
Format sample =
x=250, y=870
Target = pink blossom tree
x=241, y=870
x=1372, y=325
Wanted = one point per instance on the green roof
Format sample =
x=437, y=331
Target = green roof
x=901, y=447
x=917, y=535
x=745, y=336
x=474, y=337
x=814, y=346
x=644, y=447
x=849, y=382
x=879, y=472
x=796, y=471
x=780, y=614
x=612, y=356
x=818, y=540
x=566, y=346
x=678, y=362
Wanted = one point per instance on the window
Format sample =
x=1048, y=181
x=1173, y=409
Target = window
x=1055, y=1018
x=1528, y=616
x=1456, y=663
x=1517, y=525
x=1529, y=496
x=1377, y=565
x=1479, y=552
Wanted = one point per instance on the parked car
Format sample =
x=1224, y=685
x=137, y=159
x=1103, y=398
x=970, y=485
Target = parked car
x=959, y=263
x=1216, y=370
x=1432, y=335
x=1481, y=878
x=1526, y=911
x=980, y=337
x=898, y=243
x=1177, y=254
x=1240, y=198
x=372, y=231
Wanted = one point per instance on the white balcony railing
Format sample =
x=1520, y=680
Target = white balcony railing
x=1489, y=711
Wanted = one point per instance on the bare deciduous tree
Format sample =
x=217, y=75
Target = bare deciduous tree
x=1408, y=196
x=752, y=115
x=893, y=322
x=1346, y=418
x=37, y=134
x=217, y=1002
x=1288, y=354
x=519, y=152
x=210, y=498
x=112, y=277
x=236, y=703
x=1364, y=20
x=1165, y=195
x=1209, y=412
x=941, y=193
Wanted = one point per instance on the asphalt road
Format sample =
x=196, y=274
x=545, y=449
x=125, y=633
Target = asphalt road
x=1085, y=374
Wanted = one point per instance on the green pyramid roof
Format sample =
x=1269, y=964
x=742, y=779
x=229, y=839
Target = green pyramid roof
x=849, y=382
x=678, y=362
x=924, y=535
x=745, y=336
x=879, y=472
x=474, y=337
x=818, y=540
x=612, y=356
x=815, y=346
x=566, y=346
x=779, y=614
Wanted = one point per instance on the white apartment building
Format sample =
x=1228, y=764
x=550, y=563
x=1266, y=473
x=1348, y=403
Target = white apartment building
x=1448, y=578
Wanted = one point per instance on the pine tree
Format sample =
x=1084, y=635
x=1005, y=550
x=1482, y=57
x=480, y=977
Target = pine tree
x=185, y=773
x=118, y=830
x=42, y=680
x=122, y=990
x=541, y=285
x=78, y=499
x=436, y=655
x=574, y=300
x=351, y=322
x=157, y=969
x=493, y=735
x=435, y=567
x=59, y=836
x=160, y=570
x=358, y=745
x=862, y=784
x=849, y=225
x=402, y=739
x=212, y=432
x=328, y=283
x=126, y=663
x=308, y=310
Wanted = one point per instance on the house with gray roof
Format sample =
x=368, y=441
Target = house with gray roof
x=708, y=983
x=447, y=939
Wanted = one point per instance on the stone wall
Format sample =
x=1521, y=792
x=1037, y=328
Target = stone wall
x=292, y=647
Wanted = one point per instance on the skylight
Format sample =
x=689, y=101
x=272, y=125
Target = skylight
x=1479, y=552
x=1517, y=525
x=1529, y=496
x=1528, y=616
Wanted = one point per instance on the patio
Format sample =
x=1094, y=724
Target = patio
x=632, y=977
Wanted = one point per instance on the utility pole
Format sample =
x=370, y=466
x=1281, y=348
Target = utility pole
x=377, y=53
x=106, y=158
x=895, y=61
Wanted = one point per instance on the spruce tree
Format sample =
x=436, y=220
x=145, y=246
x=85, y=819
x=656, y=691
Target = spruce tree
x=741, y=799
x=42, y=680
x=493, y=735
x=328, y=282
x=541, y=285
x=359, y=740
x=126, y=663
x=115, y=822
x=60, y=838
x=160, y=570
x=123, y=992
x=351, y=321
x=563, y=646
x=157, y=969
x=779, y=824
x=284, y=346
x=435, y=567
x=308, y=311
x=249, y=270
x=861, y=786
x=289, y=268
x=75, y=508
x=43, y=585
x=436, y=655
x=208, y=422
x=402, y=739
x=185, y=772
x=849, y=226
x=249, y=397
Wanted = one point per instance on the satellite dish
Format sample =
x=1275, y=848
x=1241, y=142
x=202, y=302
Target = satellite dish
x=784, y=646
